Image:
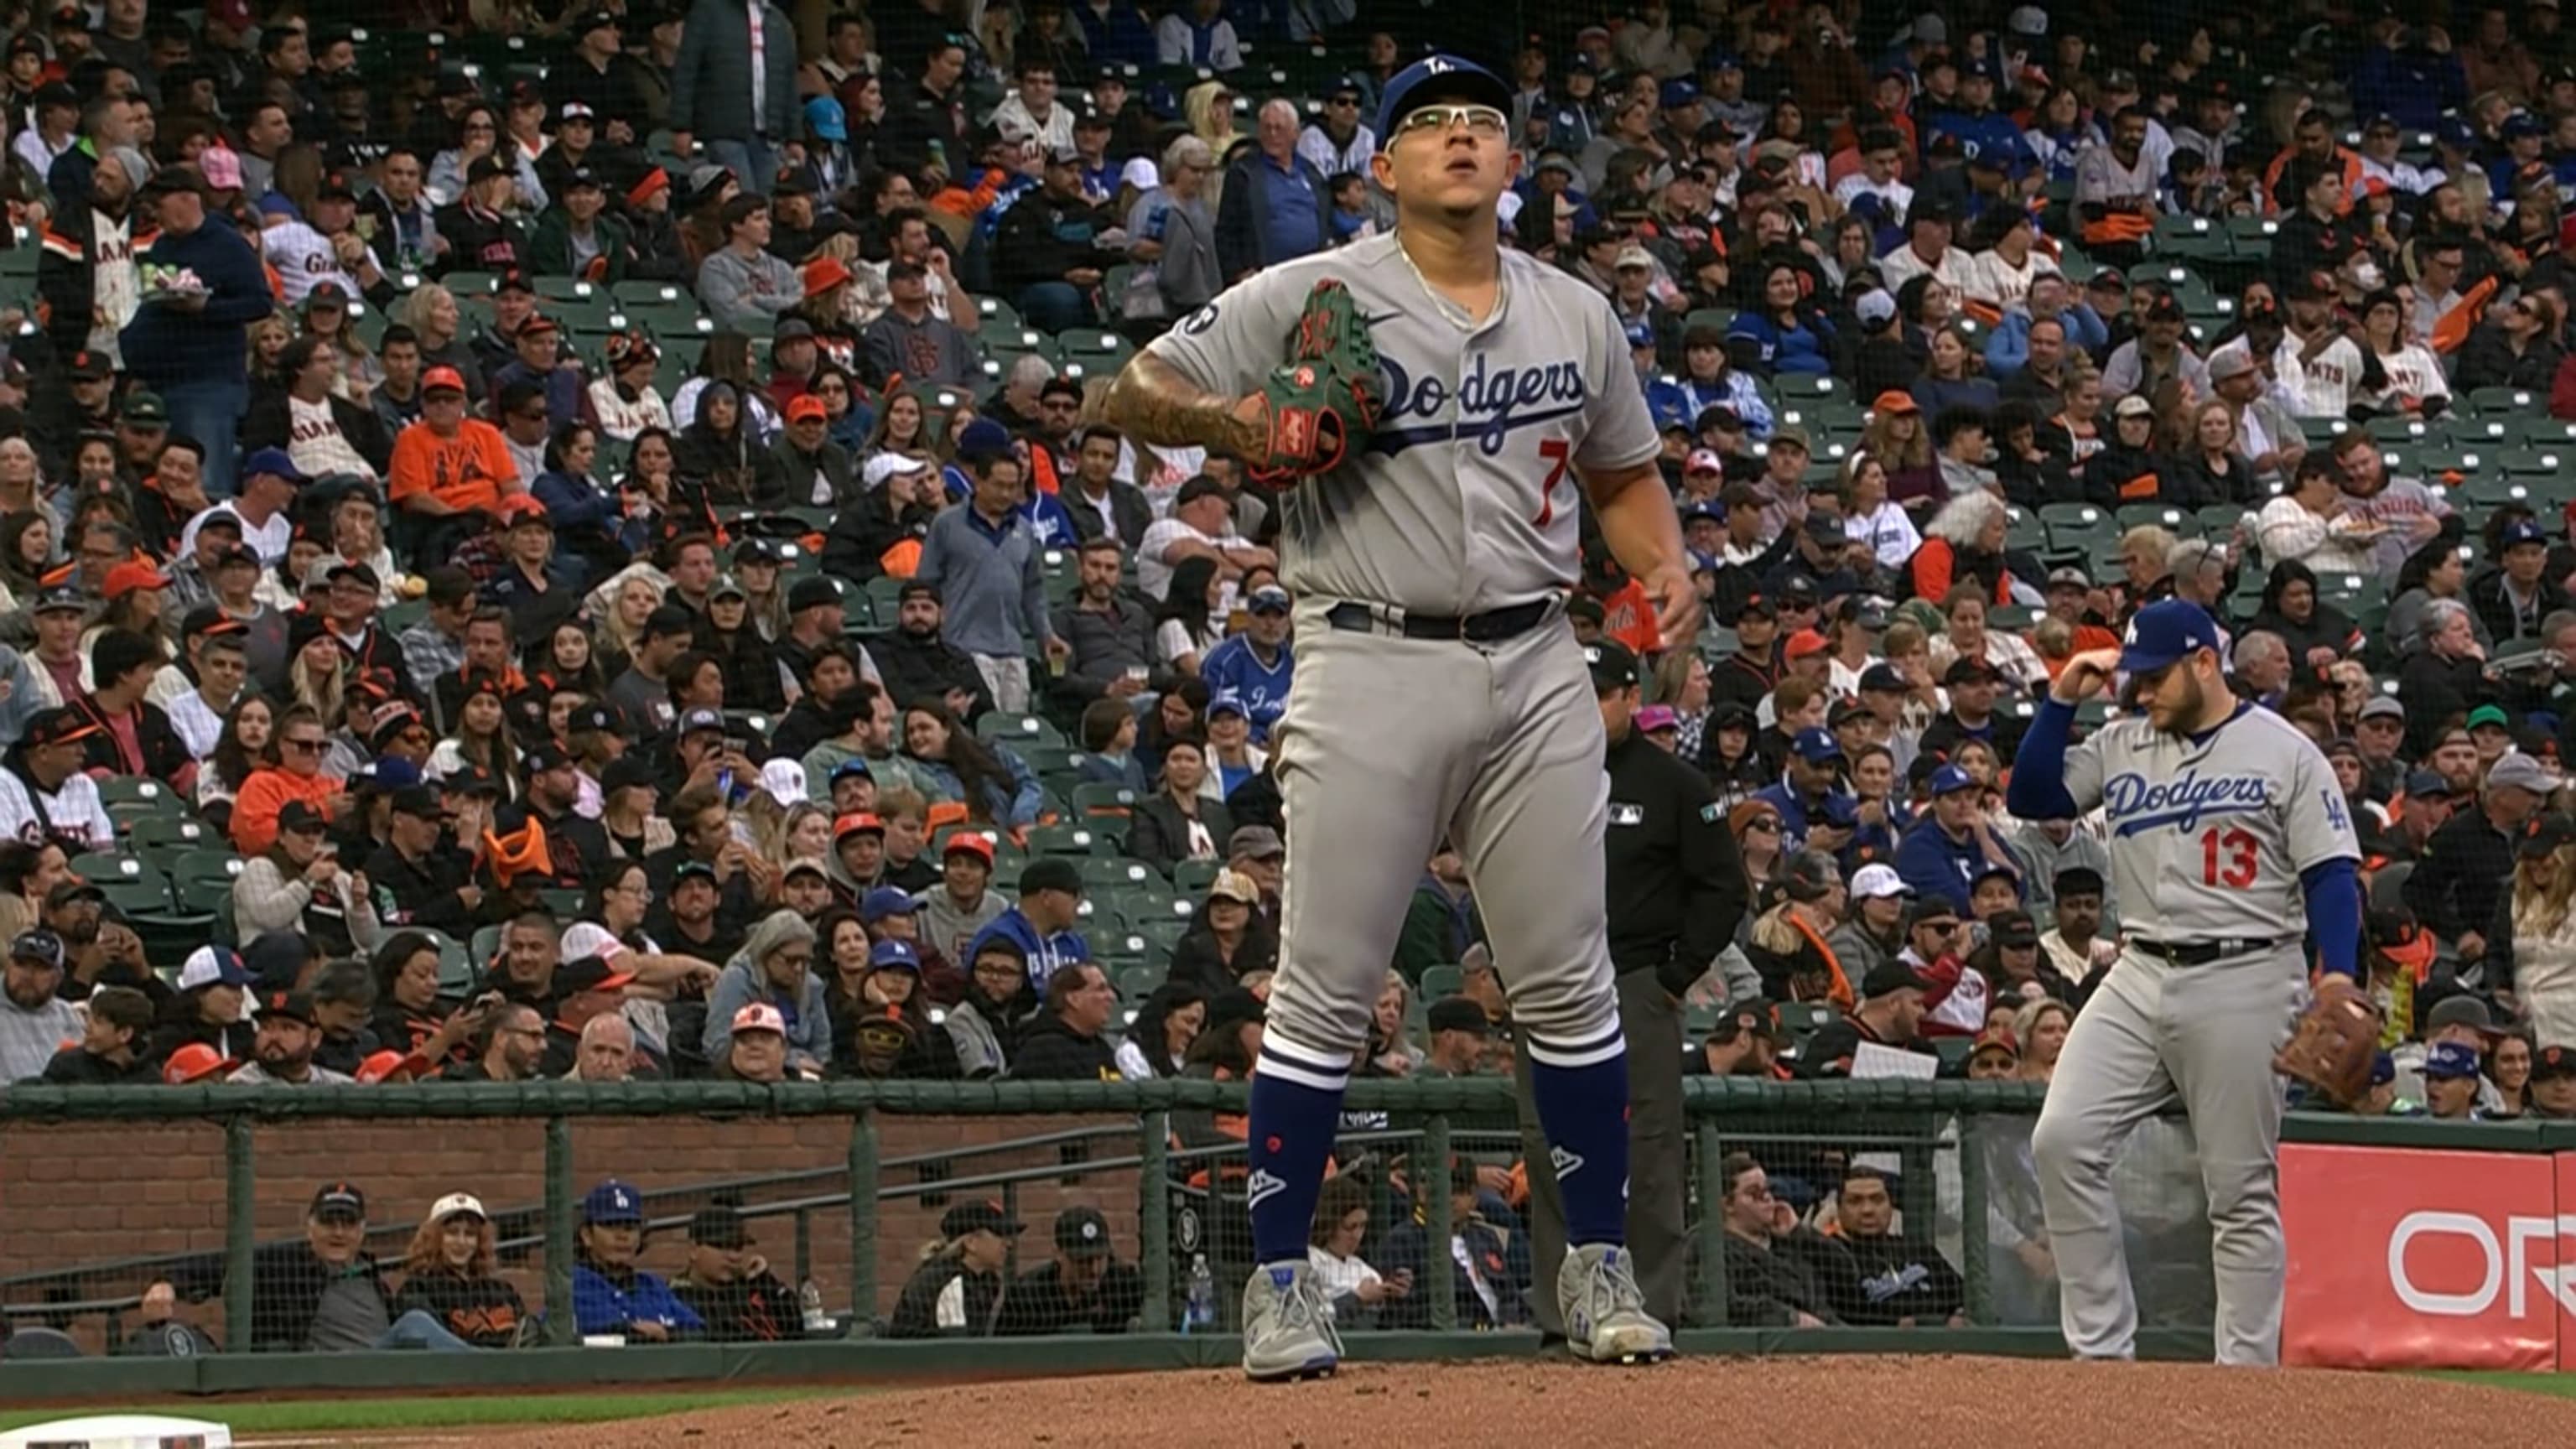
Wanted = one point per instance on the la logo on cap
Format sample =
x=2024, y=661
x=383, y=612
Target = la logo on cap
x=1437, y=65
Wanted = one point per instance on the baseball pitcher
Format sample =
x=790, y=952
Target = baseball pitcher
x=1437, y=410
x=2230, y=843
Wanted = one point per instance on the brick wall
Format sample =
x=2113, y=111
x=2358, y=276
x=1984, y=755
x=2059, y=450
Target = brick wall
x=83, y=1194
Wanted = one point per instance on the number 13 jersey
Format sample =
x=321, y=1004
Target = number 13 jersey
x=2211, y=832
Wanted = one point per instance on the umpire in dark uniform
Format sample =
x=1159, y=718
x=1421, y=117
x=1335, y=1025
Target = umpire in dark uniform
x=1676, y=892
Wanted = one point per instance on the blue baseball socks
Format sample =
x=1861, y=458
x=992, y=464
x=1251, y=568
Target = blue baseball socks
x=1582, y=1100
x=1296, y=1108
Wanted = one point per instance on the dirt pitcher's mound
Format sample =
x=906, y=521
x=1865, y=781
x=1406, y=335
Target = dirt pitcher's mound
x=1779, y=1403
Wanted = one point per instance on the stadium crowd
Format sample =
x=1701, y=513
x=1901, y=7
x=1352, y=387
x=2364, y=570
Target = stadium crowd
x=578, y=543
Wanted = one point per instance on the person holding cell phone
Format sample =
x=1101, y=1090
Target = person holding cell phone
x=298, y=884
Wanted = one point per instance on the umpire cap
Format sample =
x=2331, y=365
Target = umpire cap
x=1614, y=667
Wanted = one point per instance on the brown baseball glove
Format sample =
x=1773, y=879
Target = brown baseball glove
x=2331, y=1047
x=1324, y=401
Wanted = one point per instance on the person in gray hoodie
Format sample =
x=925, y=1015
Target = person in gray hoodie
x=733, y=86
x=34, y=1022
x=776, y=965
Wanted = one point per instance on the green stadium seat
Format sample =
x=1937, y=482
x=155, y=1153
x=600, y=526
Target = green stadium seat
x=1193, y=877
x=1078, y=840
x=1116, y=873
x=161, y=838
x=1099, y=798
x=1012, y=729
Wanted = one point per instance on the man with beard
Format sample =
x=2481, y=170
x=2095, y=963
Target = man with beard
x=85, y=272
x=986, y=1025
x=34, y=1020
x=576, y=846
x=920, y=664
x=513, y=1044
x=2216, y=903
x=1110, y=629
x=282, y=1054
x=1894, y=1281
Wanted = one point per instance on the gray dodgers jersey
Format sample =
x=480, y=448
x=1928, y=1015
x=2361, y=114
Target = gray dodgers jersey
x=1466, y=498
x=2209, y=836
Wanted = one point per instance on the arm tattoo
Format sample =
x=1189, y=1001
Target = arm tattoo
x=1153, y=403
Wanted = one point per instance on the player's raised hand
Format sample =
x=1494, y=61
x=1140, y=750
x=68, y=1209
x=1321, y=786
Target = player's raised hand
x=2085, y=675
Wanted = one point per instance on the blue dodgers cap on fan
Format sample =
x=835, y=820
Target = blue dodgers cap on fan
x=2521, y=530
x=1438, y=78
x=2164, y=634
x=1817, y=745
x=891, y=954
x=613, y=1204
x=1951, y=777
x=2449, y=1061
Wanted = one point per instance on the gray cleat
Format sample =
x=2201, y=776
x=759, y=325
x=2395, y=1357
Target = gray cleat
x=1288, y=1327
x=1605, y=1316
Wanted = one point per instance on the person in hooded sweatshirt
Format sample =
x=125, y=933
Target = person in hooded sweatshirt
x=1068, y=1042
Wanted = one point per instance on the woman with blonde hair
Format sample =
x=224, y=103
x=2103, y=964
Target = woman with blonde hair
x=2040, y=1027
x=1680, y=683
x=2542, y=929
x=1896, y=437
x=1390, y=1052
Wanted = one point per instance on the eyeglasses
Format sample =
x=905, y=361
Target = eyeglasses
x=1766, y=825
x=531, y=415
x=303, y=747
x=1483, y=122
x=1340, y=103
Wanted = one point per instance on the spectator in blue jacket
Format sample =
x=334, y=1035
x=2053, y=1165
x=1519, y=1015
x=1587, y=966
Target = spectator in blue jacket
x=1952, y=845
x=1257, y=665
x=1040, y=926
x=1787, y=332
x=609, y=1293
x=1709, y=380
x=1815, y=767
x=2008, y=345
x=202, y=287
x=1275, y=206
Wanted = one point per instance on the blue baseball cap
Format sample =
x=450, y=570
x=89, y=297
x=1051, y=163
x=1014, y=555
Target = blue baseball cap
x=273, y=460
x=1228, y=703
x=1950, y=778
x=1438, y=78
x=2449, y=1061
x=2164, y=634
x=855, y=767
x=894, y=955
x=1708, y=508
x=1841, y=811
x=613, y=1204
x=886, y=901
x=1641, y=334
x=2522, y=530
x=1817, y=745
x=1678, y=93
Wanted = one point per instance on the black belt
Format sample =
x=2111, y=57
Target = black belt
x=1490, y=627
x=2201, y=953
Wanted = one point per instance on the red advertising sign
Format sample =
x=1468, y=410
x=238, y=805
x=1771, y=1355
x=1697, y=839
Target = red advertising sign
x=2413, y=1259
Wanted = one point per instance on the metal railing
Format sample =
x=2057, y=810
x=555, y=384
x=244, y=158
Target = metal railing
x=1922, y=1121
